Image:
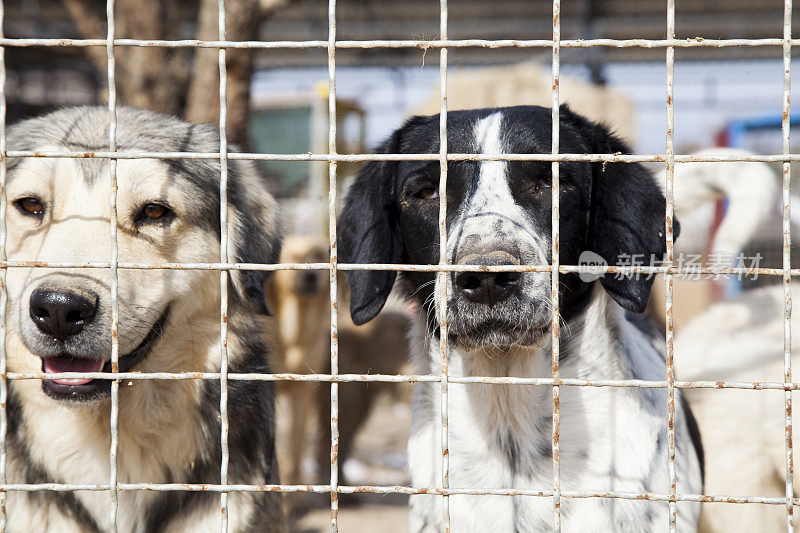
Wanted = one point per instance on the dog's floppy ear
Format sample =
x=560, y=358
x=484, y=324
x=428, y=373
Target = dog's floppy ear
x=626, y=216
x=254, y=232
x=369, y=232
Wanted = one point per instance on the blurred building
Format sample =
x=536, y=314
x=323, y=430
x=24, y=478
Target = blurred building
x=713, y=88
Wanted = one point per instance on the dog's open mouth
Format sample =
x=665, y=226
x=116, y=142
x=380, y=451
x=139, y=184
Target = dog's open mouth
x=65, y=363
x=88, y=389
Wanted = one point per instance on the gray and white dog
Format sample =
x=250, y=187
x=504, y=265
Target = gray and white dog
x=59, y=320
x=499, y=213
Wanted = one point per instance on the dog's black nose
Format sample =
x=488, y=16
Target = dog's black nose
x=488, y=287
x=310, y=281
x=307, y=282
x=60, y=313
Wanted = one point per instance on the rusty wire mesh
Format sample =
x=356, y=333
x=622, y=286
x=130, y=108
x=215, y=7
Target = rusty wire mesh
x=669, y=270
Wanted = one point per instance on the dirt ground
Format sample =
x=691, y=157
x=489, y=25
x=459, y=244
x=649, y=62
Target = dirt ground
x=384, y=516
x=378, y=458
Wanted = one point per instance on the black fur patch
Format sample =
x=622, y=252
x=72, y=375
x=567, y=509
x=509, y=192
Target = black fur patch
x=694, y=434
x=510, y=448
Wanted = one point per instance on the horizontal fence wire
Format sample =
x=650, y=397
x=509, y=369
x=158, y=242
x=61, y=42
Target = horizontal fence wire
x=611, y=269
x=414, y=378
x=691, y=42
x=395, y=489
x=582, y=269
x=333, y=266
x=596, y=158
x=421, y=378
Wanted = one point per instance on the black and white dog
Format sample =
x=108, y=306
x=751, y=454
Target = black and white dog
x=498, y=212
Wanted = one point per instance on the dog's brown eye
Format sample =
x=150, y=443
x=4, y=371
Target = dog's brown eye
x=153, y=212
x=30, y=206
x=427, y=193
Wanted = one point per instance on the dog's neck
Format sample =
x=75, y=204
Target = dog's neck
x=591, y=347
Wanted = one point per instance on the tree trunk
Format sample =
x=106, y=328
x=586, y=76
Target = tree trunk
x=202, y=103
x=166, y=80
x=153, y=78
x=243, y=20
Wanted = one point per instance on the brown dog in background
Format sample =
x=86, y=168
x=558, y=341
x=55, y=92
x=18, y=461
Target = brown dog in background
x=380, y=347
x=301, y=303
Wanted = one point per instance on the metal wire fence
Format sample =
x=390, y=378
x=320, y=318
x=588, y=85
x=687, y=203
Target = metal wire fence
x=669, y=270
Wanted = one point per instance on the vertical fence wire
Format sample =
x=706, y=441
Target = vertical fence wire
x=112, y=169
x=441, y=275
x=787, y=256
x=223, y=275
x=3, y=273
x=555, y=443
x=332, y=192
x=668, y=278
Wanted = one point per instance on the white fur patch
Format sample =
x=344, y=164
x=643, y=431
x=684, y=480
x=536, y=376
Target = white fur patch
x=492, y=216
x=487, y=133
x=612, y=439
x=492, y=192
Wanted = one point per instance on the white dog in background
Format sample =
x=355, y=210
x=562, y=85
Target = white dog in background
x=751, y=189
x=742, y=430
x=736, y=340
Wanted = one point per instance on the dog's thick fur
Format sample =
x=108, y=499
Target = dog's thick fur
x=169, y=321
x=611, y=439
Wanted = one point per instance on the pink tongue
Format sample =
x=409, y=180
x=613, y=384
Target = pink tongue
x=71, y=364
